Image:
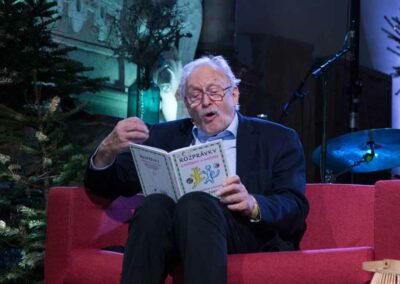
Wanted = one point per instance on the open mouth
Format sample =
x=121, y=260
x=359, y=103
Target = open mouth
x=209, y=116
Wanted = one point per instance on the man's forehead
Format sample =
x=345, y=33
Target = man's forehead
x=205, y=76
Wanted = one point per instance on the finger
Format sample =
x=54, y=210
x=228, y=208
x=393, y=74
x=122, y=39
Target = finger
x=228, y=189
x=232, y=180
x=129, y=125
x=135, y=137
x=137, y=128
x=132, y=133
x=123, y=146
x=242, y=206
x=233, y=198
x=134, y=124
x=118, y=142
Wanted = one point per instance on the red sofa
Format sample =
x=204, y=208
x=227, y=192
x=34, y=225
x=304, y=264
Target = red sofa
x=347, y=225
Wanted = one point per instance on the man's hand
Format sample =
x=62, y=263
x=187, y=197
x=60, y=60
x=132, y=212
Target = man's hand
x=130, y=130
x=234, y=194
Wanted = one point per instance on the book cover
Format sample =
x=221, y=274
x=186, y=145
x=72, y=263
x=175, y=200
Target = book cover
x=200, y=167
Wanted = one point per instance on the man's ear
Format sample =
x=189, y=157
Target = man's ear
x=235, y=94
x=186, y=103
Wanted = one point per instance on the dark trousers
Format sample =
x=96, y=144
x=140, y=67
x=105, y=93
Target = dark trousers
x=197, y=232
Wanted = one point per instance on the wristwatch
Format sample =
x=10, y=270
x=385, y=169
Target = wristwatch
x=256, y=212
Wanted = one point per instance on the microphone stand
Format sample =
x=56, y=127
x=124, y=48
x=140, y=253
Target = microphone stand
x=299, y=93
x=319, y=72
x=355, y=80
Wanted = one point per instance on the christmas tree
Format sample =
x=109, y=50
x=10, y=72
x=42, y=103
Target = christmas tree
x=34, y=156
x=26, y=44
x=394, y=34
x=36, y=79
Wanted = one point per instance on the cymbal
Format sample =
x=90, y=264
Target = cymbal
x=381, y=146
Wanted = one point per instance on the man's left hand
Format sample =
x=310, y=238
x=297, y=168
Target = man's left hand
x=235, y=195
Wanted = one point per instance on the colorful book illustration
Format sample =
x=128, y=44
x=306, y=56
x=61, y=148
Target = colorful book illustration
x=200, y=167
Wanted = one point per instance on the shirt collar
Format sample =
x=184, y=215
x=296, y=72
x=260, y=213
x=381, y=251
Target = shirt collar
x=229, y=133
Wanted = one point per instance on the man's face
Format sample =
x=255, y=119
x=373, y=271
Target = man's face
x=211, y=116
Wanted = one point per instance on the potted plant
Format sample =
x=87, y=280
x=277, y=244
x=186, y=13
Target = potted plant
x=145, y=29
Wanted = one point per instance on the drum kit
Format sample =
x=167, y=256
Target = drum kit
x=361, y=152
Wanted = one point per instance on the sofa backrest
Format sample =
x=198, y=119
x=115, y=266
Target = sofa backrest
x=341, y=215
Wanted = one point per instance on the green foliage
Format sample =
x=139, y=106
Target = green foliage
x=41, y=158
x=36, y=79
x=26, y=45
x=147, y=28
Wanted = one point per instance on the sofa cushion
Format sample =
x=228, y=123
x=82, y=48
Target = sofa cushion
x=93, y=266
x=303, y=267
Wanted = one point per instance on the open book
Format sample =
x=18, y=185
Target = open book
x=200, y=167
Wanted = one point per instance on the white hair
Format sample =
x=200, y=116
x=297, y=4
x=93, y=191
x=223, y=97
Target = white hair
x=219, y=63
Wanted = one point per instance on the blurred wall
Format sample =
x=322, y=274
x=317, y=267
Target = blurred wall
x=321, y=24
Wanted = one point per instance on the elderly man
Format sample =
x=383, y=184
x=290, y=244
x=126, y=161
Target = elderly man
x=261, y=206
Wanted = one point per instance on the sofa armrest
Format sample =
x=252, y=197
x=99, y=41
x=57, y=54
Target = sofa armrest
x=77, y=219
x=387, y=219
x=341, y=215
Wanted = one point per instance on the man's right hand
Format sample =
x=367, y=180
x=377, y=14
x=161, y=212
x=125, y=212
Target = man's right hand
x=129, y=130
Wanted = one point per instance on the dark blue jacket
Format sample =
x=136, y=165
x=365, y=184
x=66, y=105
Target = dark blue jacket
x=270, y=164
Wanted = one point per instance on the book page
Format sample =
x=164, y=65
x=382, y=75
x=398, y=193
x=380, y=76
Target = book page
x=154, y=173
x=201, y=167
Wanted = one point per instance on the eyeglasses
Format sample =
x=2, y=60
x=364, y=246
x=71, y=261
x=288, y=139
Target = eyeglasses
x=214, y=92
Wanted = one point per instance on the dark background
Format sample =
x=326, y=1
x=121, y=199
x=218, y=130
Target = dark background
x=272, y=44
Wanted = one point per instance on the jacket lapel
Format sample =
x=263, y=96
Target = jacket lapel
x=246, y=143
x=246, y=146
x=185, y=137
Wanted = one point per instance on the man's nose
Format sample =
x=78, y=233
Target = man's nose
x=205, y=99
